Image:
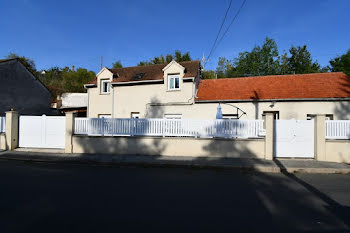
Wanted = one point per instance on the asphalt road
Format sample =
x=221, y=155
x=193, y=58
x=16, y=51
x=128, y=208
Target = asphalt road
x=39, y=197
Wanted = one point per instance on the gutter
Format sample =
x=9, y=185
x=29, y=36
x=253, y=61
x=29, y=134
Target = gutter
x=89, y=85
x=147, y=81
x=135, y=82
x=274, y=100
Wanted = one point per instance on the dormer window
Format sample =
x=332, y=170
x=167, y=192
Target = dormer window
x=173, y=82
x=105, y=86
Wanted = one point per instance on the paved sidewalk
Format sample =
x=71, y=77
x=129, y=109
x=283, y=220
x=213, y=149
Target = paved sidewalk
x=259, y=165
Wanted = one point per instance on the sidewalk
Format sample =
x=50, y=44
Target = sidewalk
x=258, y=165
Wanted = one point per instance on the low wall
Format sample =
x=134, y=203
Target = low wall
x=338, y=151
x=242, y=148
x=2, y=141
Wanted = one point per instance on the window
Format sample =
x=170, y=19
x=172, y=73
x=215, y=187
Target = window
x=105, y=86
x=104, y=116
x=173, y=82
x=135, y=115
x=229, y=116
x=311, y=116
x=275, y=113
x=173, y=116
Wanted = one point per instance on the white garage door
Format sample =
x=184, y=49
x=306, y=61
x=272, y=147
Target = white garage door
x=294, y=138
x=42, y=131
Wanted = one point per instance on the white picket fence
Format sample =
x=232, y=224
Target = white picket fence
x=339, y=129
x=2, y=124
x=170, y=127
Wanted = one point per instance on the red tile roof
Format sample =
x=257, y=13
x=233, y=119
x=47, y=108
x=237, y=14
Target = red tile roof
x=300, y=86
x=150, y=72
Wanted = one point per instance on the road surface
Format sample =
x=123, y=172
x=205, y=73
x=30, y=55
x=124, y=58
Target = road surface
x=40, y=197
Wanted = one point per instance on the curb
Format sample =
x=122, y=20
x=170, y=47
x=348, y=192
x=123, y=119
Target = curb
x=178, y=164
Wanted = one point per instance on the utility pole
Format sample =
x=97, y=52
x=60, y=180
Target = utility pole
x=101, y=62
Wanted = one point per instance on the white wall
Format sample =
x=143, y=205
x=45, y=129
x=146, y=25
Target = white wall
x=287, y=110
x=100, y=103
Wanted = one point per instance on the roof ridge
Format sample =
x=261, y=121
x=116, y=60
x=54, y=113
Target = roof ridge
x=152, y=65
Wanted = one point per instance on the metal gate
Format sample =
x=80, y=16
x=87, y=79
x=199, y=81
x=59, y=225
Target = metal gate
x=42, y=131
x=294, y=138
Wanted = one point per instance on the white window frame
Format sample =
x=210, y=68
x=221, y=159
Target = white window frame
x=104, y=116
x=173, y=76
x=328, y=117
x=103, y=81
x=173, y=116
x=135, y=115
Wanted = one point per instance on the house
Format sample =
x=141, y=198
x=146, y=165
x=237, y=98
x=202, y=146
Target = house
x=72, y=102
x=21, y=91
x=154, y=91
x=175, y=90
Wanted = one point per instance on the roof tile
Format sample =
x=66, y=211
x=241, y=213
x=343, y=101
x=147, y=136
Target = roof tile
x=300, y=86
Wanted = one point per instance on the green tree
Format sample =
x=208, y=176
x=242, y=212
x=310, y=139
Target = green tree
x=117, y=64
x=301, y=62
x=284, y=67
x=341, y=63
x=208, y=74
x=178, y=56
x=60, y=80
x=224, y=68
x=259, y=61
x=27, y=62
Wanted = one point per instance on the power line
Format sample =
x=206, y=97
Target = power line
x=232, y=21
x=222, y=24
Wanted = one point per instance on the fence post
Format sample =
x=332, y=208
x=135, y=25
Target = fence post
x=70, y=120
x=320, y=137
x=270, y=134
x=11, y=130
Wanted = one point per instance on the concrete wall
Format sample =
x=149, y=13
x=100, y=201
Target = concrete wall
x=240, y=148
x=3, y=141
x=21, y=91
x=338, y=151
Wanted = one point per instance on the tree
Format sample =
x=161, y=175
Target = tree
x=60, y=80
x=178, y=56
x=260, y=61
x=341, y=63
x=208, y=74
x=224, y=68
x=265, y=60
x=284, y=67
x=117, y=64
x=300, y=61
x=27, y=62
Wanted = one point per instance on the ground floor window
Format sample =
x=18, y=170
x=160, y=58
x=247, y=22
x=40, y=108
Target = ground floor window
x=173, y=116
x=135, y=115
x=230, y=116
x=311, y=116
x=104, y=116
x=275, y=113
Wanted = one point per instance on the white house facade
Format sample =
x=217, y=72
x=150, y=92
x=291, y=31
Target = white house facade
x=176, y=90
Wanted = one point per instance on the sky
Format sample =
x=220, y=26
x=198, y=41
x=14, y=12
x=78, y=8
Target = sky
x=76, y=32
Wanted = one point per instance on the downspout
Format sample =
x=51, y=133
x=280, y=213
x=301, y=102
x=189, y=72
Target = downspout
x=112, y=101
x=87, y=109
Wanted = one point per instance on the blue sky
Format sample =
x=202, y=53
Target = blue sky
x=76, y=32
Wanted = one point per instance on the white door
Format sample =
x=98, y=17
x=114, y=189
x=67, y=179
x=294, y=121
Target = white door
x=294, y=139
x=42, y=131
